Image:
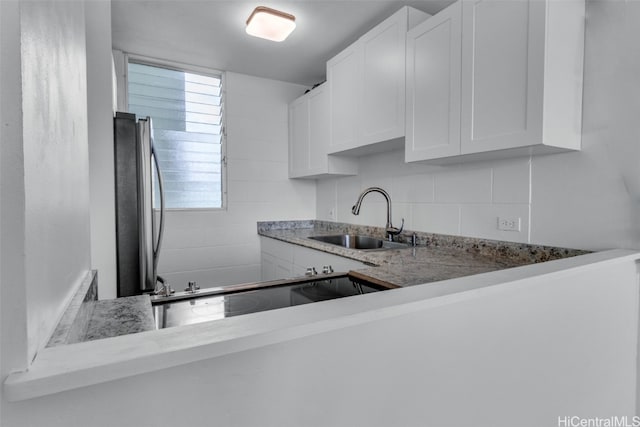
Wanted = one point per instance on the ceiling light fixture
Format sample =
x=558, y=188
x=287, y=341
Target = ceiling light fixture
x=270, y=24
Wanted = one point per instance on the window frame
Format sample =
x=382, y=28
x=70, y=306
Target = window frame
x=188, y=68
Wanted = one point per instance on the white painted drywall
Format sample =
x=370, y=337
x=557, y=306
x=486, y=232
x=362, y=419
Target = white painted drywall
x=56, y=168
x=13, y=320
x=592, y=199
x=45, y=191
x=216, y=247
x=100, y=127
x=589, y=199
x=520, y=353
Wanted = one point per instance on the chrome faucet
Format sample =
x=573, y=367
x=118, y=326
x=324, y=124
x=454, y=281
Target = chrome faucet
x=389, y=228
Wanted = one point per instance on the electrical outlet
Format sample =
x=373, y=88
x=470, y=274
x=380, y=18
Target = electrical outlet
x=332, y=214
x=508, y=224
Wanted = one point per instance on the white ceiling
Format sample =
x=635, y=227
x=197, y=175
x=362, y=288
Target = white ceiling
x=211, y=33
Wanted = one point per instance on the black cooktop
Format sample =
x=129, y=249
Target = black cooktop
x=207, y=308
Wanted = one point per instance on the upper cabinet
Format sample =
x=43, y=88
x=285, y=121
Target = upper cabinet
x=309, y=138
x=433, y=86
x=367, y=87
x=343, y=79
x=519, y=89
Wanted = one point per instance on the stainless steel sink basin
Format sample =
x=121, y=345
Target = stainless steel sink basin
x=354, y=241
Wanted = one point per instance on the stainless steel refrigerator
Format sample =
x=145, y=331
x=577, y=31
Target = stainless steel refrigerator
x=138, y=237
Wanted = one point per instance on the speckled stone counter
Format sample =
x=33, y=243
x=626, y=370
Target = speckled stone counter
x=436, y=256
x=120, y=316
x=87, y=319
x=75, y=320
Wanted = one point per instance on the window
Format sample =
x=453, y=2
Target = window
x=186, y=111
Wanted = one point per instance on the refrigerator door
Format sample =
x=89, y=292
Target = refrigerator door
x=126, y=175
x=137, y=240
x=145, y=206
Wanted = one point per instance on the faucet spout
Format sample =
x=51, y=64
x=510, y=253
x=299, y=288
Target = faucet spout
x=390, y=229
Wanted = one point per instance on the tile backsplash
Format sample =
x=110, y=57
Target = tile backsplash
x=464, y=199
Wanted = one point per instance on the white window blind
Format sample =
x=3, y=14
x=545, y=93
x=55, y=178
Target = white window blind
x=186, y=111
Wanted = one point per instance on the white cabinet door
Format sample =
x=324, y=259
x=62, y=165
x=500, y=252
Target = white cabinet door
x=343, y=77
x=433, y=87
x=383, y=80
x=520, y=80
x=298, y=137
x=274, y=268
x=309, y=138
x=304, y=258
x=318, y=130
x=367, y=88
x=503, y=48
x=281, y=260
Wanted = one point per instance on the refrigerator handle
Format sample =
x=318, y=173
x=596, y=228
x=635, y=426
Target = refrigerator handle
x=158, y=245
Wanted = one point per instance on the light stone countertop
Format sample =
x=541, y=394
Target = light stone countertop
x=436, y=257
x=120, y=316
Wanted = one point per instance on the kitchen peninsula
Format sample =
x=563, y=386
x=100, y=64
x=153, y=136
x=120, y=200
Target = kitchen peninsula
x=435, y=257
x=496, y=269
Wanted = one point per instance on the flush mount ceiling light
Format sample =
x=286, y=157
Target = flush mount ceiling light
x=270, y=24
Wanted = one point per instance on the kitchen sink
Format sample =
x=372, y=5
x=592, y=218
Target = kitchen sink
x=354, y=241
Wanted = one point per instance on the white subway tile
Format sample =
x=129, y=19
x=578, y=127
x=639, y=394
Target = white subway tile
x=257, y=170
x=208, y=257
x=238, y=190
x=382, y=165
x=348, y=190
x=412, y=189
x=175, y=238
x=402, y=211
x=372, y=212
x=511, y=181
x=463, y=184
x=326, y=199
x=436, y=218
x=245, y=144
x=482, y=221
x=384, y=182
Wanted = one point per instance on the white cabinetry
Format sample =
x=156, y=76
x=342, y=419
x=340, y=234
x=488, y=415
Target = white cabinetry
x=281, y=260
x=367, y=88
x=520, y=81
x=433, y=86
x=309, y=138
x=343, y=78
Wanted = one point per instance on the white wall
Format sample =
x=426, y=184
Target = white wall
x=592, y=199
x=13, y=323
x=222, y=247
x=100, y=126
x=45, y=192
x=520, y=353
x=589, y=199
x=54, y=103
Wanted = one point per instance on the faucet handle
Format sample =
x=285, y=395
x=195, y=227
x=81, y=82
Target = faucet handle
x=395, y=231
x=192, y=287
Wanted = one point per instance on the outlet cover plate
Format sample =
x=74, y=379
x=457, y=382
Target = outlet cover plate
x=509, y=224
